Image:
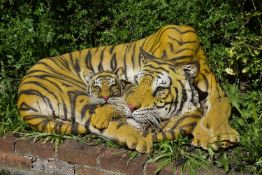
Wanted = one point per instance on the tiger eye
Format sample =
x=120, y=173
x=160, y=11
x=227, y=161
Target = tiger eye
x=96, y=89
x=115, y=89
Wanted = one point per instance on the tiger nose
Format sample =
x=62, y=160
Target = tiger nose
x=105, y=98
x=132, y=107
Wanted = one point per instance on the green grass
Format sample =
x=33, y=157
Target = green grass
x=230, y=33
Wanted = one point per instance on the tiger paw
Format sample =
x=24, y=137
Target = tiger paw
x=215, y=137
x=139, y=143
x=102, y=116
x=100, y=122
x=133, y=139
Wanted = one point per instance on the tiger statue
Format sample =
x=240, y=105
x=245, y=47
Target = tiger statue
x=167, y=68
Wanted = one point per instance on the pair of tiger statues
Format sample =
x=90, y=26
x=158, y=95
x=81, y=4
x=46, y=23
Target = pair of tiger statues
x=138, y=93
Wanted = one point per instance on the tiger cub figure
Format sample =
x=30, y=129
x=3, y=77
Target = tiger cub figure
x=106, y=88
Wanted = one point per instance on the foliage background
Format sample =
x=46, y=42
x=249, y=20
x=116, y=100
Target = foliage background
x=230, y=32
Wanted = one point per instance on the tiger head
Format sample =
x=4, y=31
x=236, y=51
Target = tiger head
x=163, y=90
x=105, y=85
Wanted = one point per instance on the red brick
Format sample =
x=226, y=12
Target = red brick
x=7, y=144
x=119, y=160
x=38, y=149
x=152, y=167
x=87, y=170
x=12, y=159
x=75, y=152
x=214, y=170
x=136, y=166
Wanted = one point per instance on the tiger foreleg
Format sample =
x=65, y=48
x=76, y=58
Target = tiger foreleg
x=178, y=126
x=124, y=134
x=213, y=129
x=103, y=115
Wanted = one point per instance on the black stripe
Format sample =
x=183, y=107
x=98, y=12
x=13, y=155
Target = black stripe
x=72, y=97
x=192, y=94
x=161, y=62
x=192, y=125
x=56, y=73
x=62, y=77
x=183, y=98
x=65, y=62
x=97, y=48
x=58, y=126
x=133, y=56
x=183, y=32
x=149, y=67
x=87, y=124
x=164, y=55
x=175, y=102
x=181, y=50
x=173, y=134
x=100, y=66
x=71, y=59
x=113, y=63
x=171, y=103
x=61, y=63
x=34, y=92
x=77, y=66
x=65, y=110
x=54, y=60
x=159, y=34
x=171, y=47
x=112, y=49
x=183, y=118
x=181, y=42
x=74, y=128
x=150, y=72
x=42, y=86
x=155, y=137
x=88, y=61
x=44, y=124
x=139, y=60
x=30, y=117
x=52, y=130
x=26, y=107
x=120, y=124
x=182, y=57
x=164, y=135
x=43, y=77
x=125, y=67
x=90, y=108
x=146, y=54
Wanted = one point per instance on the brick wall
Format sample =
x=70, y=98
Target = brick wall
x=75, y=158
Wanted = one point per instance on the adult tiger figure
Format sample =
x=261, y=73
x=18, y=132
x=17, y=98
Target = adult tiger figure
x=54, y=89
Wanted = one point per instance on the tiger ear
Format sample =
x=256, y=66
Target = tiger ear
x=125, y=83
x=121, y=75
x=120, y=72
x=87, y=75
x=145, y=56
x=191, y=69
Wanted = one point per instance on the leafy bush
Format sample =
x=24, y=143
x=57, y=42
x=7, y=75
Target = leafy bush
x=230, y=33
